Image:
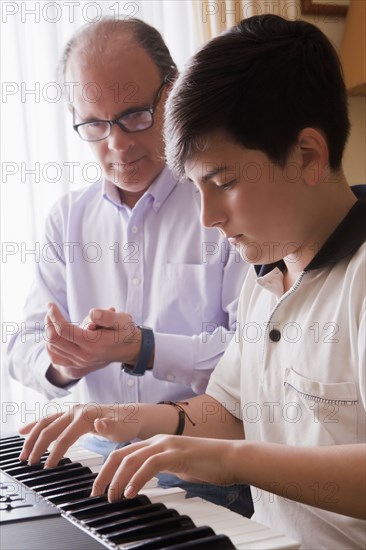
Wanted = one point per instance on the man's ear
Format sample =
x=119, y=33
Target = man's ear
x=313, y=149
x=170, y=82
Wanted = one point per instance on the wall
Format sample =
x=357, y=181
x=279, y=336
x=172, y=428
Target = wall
x=355, y=155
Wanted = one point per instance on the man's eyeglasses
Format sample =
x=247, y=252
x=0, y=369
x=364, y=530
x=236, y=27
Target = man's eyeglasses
x=133, y=121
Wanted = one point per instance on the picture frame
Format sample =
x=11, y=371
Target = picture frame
x=324, y=7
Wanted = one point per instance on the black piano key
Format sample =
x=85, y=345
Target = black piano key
x=74, y=506
x=71, y=494
x=61, y=477
x=69, y=484
x=5, y=440
x=121, y=514
x=151, y=529
x=12, y=462
x=49, y=475
x=72, y=476
x=14, y=453
x=215, y=542
x=8, y=441
x=160, y=515
x=11, y=447
x=23, y=468
x=71, y=465
x=93, y=509
x=166, y=541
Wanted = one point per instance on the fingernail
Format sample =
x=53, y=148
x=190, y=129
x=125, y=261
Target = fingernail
x=97, y=314
x=129, y=491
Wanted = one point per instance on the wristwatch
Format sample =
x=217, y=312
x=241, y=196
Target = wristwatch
x=146, y=351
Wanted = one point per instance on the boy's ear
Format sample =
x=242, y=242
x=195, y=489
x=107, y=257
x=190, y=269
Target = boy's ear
x=314, y=153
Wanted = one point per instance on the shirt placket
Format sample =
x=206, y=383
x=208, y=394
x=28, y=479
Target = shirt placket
x=133, y=263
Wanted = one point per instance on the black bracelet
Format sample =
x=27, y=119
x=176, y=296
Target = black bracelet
x=182, y=415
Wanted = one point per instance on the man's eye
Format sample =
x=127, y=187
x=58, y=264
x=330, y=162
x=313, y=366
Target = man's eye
x=137, y=120
x=94, y=125
x=136, y=115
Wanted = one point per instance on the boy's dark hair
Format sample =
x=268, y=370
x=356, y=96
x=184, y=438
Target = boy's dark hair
x=92, y=38
x=262, y=82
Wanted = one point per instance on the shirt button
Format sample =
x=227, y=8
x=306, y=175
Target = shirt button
x=170, y=377
x=135, y=281
x=134, y=229
x=275, y=335
x=130, y=382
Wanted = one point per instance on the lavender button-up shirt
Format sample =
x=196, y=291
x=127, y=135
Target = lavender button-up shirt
x=155, y=262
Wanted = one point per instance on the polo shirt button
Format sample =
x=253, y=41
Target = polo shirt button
x=130, y=382
x=275, y=335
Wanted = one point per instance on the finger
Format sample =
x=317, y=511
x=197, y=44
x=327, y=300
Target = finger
x=109, y=428
x=24, y=430
x=55, y=345
x=161, y=462
x=55, y=316
x=107, y=471
x=116, y=468
x=68, y=435
x=50, y=330
x=64, y=328
x=35, y=444
x=61, y=361
x=109, y=318
x=70, y=352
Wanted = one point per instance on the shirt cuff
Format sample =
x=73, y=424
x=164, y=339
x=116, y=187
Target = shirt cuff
x=174, y=358
x=45, y=387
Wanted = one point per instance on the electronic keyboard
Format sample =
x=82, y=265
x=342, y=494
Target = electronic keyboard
x=52, y=510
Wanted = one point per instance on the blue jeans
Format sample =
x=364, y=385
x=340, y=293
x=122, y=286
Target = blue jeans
x=237, y=498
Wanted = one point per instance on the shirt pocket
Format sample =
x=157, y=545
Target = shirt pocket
x=319, y=413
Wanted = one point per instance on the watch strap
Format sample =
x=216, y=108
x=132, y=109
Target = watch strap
x=146, y=351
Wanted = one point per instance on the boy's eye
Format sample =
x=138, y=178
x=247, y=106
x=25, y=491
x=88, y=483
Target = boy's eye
x=227, y=186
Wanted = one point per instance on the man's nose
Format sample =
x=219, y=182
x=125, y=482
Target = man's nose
x=119, y=140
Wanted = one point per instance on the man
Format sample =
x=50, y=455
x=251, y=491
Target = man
x=132, y=241
x=285, y=407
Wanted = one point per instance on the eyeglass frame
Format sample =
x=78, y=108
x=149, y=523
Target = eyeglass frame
x=120, y=125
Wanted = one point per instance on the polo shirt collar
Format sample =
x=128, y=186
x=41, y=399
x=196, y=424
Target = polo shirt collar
x=347, y=238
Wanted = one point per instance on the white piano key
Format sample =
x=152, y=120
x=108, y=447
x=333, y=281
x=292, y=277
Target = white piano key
x=243, y=532
x=86, y=457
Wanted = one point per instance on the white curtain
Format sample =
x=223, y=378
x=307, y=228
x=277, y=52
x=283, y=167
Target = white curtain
x=214, y=16
x=42, y=157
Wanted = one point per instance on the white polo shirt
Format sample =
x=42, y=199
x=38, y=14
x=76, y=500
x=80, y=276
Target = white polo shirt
x=295, y=373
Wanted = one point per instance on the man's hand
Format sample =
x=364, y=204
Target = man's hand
x=75, y=351
x=116, y=422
